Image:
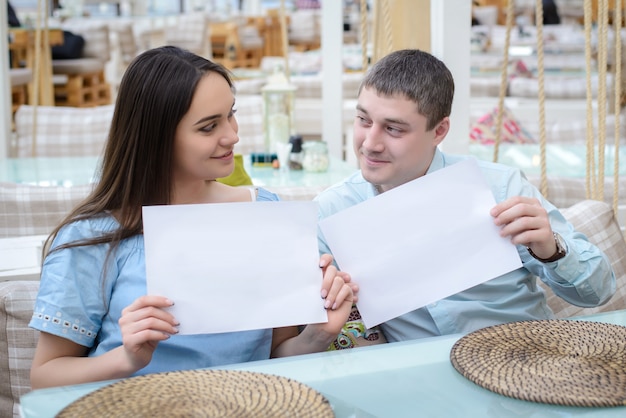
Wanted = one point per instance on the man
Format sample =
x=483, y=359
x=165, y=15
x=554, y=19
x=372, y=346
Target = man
x=403, y=114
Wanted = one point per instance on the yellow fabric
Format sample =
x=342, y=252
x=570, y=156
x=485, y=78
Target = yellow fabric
x=239, y=176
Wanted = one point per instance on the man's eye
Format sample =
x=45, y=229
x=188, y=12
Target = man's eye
x=362, y=120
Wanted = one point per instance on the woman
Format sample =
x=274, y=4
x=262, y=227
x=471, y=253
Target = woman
x=172, y=134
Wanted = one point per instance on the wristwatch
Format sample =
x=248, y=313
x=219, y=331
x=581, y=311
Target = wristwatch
x=561, y=250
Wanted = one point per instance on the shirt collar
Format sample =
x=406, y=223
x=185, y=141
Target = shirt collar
x=437, y=163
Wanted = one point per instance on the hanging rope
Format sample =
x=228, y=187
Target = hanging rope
x=503, y=78
x=603, y=18
x=617, y=25
x=541, y=92
x=590, y=172
x=364, y=34
x=387, y=27
x=42, y=42
x=284, y=39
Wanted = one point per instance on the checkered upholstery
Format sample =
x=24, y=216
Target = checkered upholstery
x=595, y=219
x=250, y=120
x=17, y=342
x=36, y=210
x=555, y=86
x=564, y=192
x=190, y=32
x=62, y=131
x=558, y=87
x=310, y=86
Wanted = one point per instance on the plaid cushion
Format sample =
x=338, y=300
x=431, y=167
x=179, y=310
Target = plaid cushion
x=36, y=210
x=62, y=131
x=250, y=120
x=564, y=192
x=595, y=219
x=557, y=87
x=17, y=342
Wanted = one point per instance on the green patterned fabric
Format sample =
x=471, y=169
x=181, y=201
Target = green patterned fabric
x=239, y=176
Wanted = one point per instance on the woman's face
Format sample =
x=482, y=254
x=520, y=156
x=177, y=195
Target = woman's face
x=206, y=135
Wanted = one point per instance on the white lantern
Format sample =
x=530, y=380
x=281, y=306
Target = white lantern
x=278, y=109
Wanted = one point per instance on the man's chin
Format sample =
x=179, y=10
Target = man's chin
x=373, y=178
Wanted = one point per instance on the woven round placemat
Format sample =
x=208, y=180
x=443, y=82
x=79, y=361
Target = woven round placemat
x=202, y=393
x=562, y=362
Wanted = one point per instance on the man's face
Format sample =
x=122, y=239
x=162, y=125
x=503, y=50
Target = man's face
x=391, y=141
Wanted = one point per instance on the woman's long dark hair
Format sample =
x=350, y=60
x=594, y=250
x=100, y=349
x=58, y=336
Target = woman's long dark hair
x=136, y=170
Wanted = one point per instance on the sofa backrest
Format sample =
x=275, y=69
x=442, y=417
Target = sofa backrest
x=36, y=210
x=17, y=342
x=62, y=131
x=596, y=220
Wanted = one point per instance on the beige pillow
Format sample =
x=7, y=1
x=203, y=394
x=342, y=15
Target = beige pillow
x=595, y=219
x=17, y=342
x=36, y=210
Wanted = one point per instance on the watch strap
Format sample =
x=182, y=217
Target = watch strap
x=560, y=251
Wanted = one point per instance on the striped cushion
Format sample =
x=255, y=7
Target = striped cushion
x=250, y=120
x=17, y=342
x=63, y=131
x=36, y=210
x=564, y=192
x=595, y=219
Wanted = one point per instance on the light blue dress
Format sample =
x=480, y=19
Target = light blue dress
x=83, y=292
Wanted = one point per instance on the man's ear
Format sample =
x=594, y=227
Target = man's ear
x=441, y=130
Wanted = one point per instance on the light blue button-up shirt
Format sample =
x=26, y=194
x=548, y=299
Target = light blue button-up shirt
x=584, y=277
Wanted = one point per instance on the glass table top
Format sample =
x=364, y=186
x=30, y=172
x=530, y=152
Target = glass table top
x=72, y=171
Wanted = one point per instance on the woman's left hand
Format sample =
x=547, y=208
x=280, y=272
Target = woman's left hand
x=339, y=294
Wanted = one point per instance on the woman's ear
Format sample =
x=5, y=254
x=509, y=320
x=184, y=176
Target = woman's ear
x=441, y=130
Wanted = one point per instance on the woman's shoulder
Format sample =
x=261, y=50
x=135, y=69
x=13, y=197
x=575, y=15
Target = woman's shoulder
x=86, y=229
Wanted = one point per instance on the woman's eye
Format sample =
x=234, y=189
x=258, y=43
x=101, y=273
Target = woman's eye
x=208, y=128
x=232, y=113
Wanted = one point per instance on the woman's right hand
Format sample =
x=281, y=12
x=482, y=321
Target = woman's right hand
x=144, y=323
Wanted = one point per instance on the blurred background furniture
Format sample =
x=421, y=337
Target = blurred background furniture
x=305, y=29
x=17, y=342
x=82, y=82
x=20, y=79
x=23, y=49
x=36, y=210
x=191, y=31
x=61, y=131
x=236, y=44
x=124, y=48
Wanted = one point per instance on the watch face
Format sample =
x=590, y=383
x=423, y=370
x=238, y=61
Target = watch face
x=560, y=243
